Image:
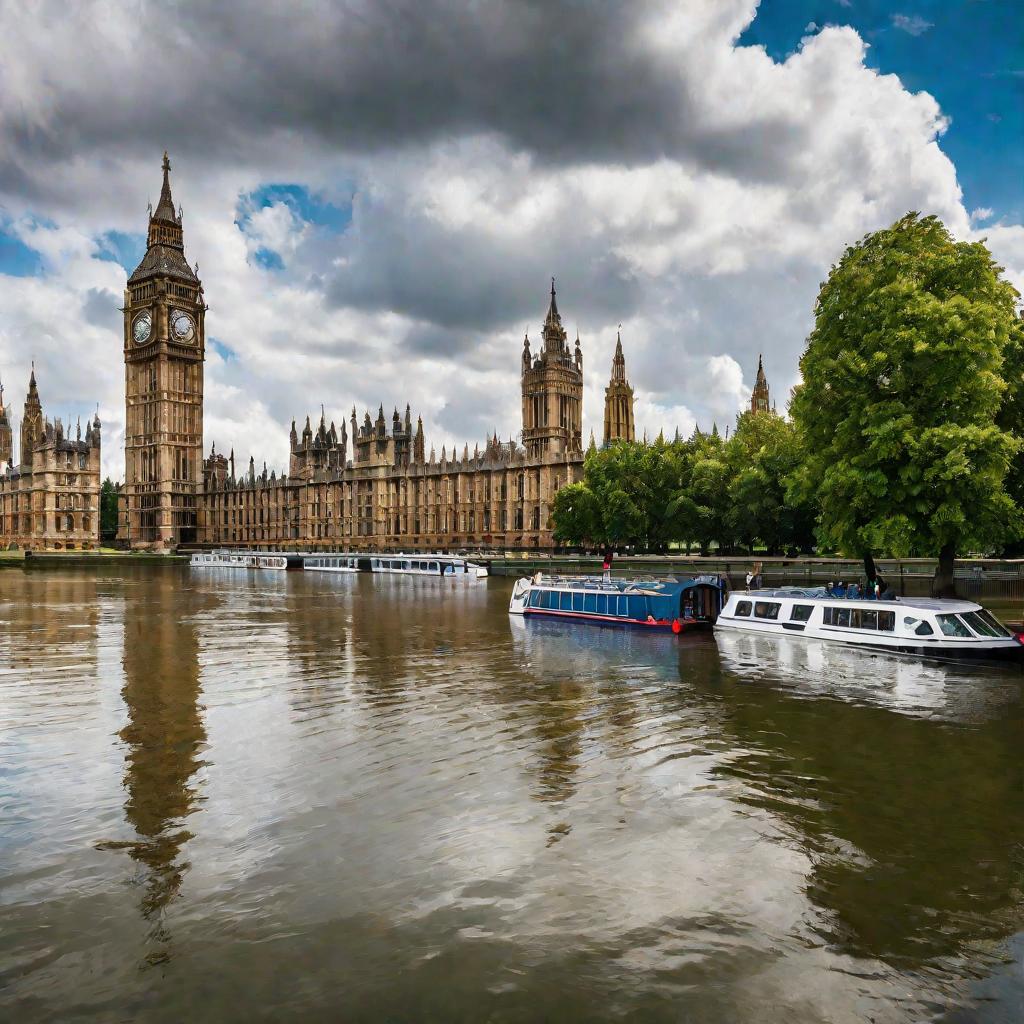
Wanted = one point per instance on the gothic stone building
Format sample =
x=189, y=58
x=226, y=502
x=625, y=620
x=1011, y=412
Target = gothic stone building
x=50, y=498
x=367, y=485
x=372, y=485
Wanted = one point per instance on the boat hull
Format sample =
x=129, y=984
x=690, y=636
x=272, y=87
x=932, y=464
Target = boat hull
x=675, y=626
x=1005, y=651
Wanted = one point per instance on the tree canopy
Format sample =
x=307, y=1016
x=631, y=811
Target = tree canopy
x=903, y=389
x=705, y=490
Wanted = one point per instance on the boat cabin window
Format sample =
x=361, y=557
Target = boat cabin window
x=565, y=601
x=920, y=627
x=767, y=609
x=434, y=566
x=982, y=626
x=801, y=612
x=988, y=617
x=743, y=608
x=951, y=625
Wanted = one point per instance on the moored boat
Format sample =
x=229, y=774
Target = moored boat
x=447, y=566
x=647, y=604
x=330, y=563
x=926, y=627
x=237, y=560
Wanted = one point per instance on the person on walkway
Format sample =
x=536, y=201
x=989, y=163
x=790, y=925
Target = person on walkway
x=606, y=569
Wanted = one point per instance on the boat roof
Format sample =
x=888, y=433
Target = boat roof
x=931, y=604
x=619, y=585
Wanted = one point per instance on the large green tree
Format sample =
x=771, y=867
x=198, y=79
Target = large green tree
x=108, y=510
x=902, y=387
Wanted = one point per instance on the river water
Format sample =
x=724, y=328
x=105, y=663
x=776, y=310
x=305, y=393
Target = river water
x=301, y=797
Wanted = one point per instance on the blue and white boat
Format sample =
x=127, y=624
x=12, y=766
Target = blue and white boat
x=646, y=604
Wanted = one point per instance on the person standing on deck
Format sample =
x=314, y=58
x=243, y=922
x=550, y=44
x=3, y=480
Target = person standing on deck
x=606, y=569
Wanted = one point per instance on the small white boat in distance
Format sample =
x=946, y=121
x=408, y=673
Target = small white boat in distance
x=920, y=626
x=330, y=563
x=447, y=566
x=237, y=560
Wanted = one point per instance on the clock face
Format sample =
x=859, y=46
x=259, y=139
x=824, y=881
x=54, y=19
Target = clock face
x=182, y=326
x=142, y=328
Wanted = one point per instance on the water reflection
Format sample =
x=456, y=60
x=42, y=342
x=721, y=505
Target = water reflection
x=164, y=738
x=913, y=686
x=427, y=810
x=914, y=827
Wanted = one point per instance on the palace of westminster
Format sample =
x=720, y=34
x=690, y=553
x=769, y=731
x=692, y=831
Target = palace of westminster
x=366, y=486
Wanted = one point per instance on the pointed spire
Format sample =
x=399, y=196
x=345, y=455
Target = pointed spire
x=165, y=207
x=553, y=316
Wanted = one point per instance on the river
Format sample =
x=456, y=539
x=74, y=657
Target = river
x=308, y=797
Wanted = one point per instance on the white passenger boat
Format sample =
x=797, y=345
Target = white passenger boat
x=237, y=560
x=428, y=565
x=913, y=625
x=330, y=563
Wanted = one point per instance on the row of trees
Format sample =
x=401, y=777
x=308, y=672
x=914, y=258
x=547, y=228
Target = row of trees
x=904, y=436
x=707, y=490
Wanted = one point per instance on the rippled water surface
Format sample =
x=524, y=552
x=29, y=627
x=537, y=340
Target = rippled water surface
x=289, y=796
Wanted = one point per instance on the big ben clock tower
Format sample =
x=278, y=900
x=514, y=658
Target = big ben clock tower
x=164, y=349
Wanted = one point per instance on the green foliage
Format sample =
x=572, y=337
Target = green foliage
x=705, y=490
x=108, y=510
x=901, y=397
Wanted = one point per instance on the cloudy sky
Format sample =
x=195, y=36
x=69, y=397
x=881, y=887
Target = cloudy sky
x=377, y=193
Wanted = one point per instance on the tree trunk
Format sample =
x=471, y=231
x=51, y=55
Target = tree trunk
x=869, y=567
x=942, y=584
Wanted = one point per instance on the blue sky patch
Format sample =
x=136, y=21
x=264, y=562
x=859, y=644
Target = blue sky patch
x=268, y=259
x=226, y=352
x=968, y=55
x=125, y=248
x=306, y=205
x=16, y=258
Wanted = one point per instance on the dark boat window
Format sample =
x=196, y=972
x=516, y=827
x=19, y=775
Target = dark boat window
x=602, y=604
x=922, y=628
x=801, y=612
x=952, y=626
x=590, y=602
x=743, y=608
x=565, y=601
x=978, y=624
x=534, y=600
x=637, y=607
x=766, y=609
x=577, y=601
x=1001, y=630
x=886, y=622
x=868, y=618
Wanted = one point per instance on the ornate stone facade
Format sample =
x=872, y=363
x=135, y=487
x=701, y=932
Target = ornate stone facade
x=369, y=485
x=51, y=498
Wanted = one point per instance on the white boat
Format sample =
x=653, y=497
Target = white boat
x=447, y=566
x=237, y=560
x=330, y=563
x=912, y=625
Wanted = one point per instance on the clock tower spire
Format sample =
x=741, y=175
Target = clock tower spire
x=164, y=350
